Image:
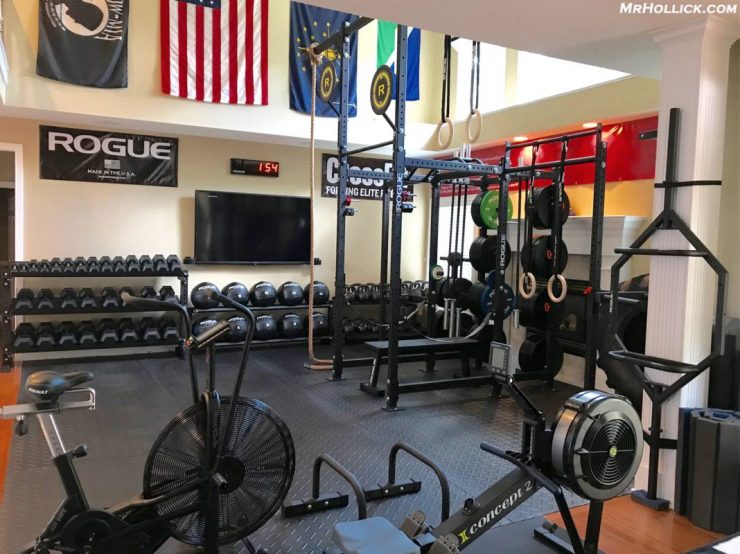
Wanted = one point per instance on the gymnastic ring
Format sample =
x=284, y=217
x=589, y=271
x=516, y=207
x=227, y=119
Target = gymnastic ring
x=525, y=278
x=474, y=114
x=441, y=125
x=563, y=286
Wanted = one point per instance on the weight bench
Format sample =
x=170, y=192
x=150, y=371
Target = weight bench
x=431, y=347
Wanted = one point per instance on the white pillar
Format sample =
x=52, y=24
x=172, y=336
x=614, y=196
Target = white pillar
x=695, y=58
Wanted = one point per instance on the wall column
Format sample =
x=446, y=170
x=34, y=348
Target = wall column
x=695, y=57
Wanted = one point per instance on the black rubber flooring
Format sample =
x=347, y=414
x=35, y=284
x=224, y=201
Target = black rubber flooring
x=137, y=398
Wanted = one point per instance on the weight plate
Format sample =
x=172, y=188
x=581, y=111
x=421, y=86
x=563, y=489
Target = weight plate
x=540, y=261
x=543, y=203
x=436, y=272
x=486, y=209
x=488, y=301
x=327, y=82
x=533, y=355
x=483, y=253
x=381, y=89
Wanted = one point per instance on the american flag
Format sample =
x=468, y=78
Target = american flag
x=215, y=53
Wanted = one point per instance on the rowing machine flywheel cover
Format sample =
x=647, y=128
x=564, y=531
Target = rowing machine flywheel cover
x=597, y=444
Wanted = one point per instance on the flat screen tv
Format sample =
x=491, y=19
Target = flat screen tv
x=251, y=228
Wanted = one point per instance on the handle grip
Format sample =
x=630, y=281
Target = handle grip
x=209, y=335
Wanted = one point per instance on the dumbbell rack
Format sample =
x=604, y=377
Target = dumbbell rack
x=10, y=350
x=261, y=344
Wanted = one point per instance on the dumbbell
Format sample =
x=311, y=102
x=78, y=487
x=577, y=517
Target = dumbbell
x=44, y=266
x=68, y=265
x=86, y=333
x=167, y=293
x=93, y=266
x=45, y=300
x=32, y=266
x=87, y=299
x=119, y=266
x=146, y=264
x=132, y=264
x=56, y=265
x=106, y=265
x=174, y=263
x=127, y=331
x=107, y=333
x=160, y=264
x=18, y=267
x=45, y=335
x=67, y=334
x=168, y=329
x=110, y=298
x=69, y=299
x=149, y=331
x=127, y=290
x=24, y=300
x=148, y=292
x=80, y=265
x=24, y=336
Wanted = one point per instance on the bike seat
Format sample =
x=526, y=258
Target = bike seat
x=50, y=385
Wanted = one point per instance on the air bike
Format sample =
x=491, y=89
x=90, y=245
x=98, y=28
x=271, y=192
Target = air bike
x=593, y=448
x=216, y=473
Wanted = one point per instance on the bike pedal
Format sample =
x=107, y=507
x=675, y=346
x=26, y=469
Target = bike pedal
x=21, y=427
x=413, y=525
x=79, y=451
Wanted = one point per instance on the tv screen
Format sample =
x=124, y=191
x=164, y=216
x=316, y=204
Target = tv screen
x=251, y=228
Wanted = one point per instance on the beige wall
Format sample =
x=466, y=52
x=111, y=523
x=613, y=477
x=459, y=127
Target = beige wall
x=729, y=232
x=93, y=219
x=143, y=102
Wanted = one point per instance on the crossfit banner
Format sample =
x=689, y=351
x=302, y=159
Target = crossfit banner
x=84, y=42
x=102, y=157
x=358, y=189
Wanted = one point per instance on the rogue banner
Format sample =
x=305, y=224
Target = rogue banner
x=103, y=157
x=358, y=189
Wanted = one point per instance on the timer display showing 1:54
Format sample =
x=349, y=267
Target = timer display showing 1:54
x=255, y=167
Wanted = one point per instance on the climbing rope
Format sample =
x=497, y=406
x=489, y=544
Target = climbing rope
x=314, y=363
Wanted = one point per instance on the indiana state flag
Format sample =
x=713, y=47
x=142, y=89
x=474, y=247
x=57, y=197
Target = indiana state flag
x=309, y=24
x=387, y=55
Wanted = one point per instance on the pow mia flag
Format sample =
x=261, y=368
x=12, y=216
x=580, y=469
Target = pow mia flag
x=102, y=157
x=84, y=42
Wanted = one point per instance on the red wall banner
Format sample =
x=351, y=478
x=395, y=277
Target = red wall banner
x=629, y=158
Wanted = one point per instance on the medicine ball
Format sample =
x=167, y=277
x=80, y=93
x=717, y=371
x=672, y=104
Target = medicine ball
x=238, y=331
x=265, y=327
x=238, y=292
x=320, y=293
x=320, y=324
x=262, y=294
x=203, y=325
x=290, y=326
x=290, y=293
x=202, y=296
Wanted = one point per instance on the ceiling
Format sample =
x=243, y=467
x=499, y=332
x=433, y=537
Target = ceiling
x=586, y=31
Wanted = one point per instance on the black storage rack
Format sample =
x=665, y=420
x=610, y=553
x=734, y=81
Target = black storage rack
x=9, y=350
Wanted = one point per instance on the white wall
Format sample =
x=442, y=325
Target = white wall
x=143, y=101
x=65, y=218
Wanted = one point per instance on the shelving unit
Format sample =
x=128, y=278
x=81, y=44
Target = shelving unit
x=261, y=344
x=10, y=313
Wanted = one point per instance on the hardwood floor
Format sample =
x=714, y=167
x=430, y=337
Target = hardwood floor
x=9, y=383
x=630, y=528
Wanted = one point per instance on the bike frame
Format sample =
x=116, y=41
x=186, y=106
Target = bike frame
x=139, y=514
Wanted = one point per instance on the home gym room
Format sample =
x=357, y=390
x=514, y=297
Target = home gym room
x=369, y=278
